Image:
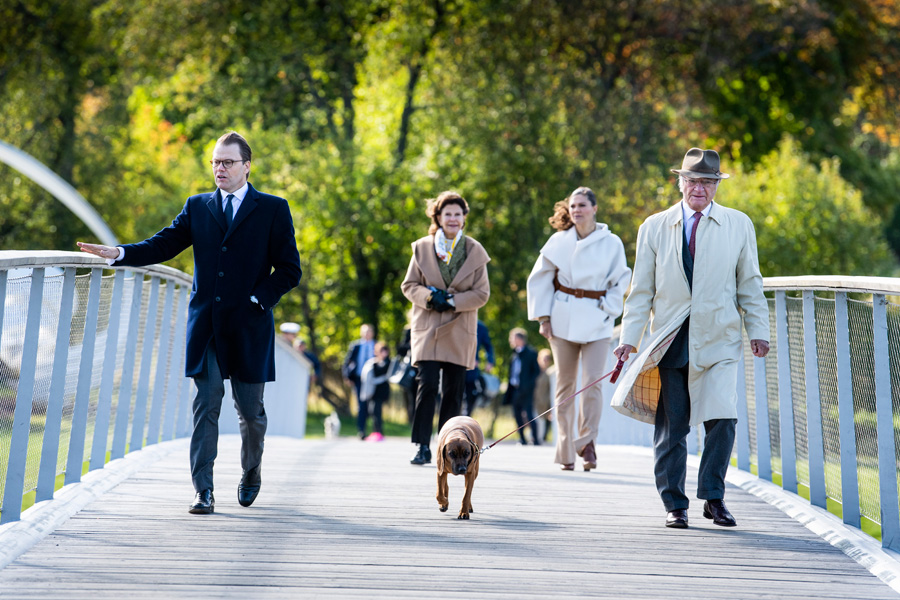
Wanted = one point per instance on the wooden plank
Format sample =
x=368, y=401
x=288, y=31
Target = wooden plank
x=348, y=519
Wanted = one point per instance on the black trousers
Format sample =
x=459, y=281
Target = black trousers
x=673, y=417
x=452, y=386
x=523, y=410
x=248, y=401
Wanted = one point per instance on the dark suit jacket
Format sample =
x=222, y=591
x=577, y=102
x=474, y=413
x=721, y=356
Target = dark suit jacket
x=528, y=374
x=351, y=367
x=257, y=256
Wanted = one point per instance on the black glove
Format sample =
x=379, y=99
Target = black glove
x=439, y=300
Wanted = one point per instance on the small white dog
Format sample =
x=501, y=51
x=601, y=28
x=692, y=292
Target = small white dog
x=332, y=426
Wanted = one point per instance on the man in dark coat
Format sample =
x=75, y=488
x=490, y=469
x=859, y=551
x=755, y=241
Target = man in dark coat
x=245, y=260
x=523, y=372
x=359, y=353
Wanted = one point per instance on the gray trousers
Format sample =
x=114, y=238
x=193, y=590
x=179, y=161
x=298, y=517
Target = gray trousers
x=248, y=400
x=673, y=417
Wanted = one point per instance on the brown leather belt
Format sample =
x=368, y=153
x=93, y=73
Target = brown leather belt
x=577, y=293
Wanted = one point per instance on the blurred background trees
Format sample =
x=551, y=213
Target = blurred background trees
x=360, y=110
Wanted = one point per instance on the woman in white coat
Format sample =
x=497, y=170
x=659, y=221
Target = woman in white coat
x=576, y=290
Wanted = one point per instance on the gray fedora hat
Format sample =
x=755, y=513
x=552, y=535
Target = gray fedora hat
x=698, y=164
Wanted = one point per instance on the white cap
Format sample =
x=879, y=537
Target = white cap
x=290, y=328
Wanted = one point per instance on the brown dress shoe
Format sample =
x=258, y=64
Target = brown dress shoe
x=567, y=467
x=677, y=518
x=715, y=510
x=590, y=456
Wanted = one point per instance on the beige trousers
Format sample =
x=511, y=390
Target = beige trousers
x=566, y=356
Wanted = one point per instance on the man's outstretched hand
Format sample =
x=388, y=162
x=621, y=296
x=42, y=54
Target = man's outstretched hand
x=99, y=250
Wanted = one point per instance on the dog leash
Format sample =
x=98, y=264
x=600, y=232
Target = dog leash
x=613, y=376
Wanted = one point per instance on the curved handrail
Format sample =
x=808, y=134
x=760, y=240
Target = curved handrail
x=835, y=283
x=21, y=259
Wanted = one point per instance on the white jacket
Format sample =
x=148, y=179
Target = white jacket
x=595, y=263
x=368, y=381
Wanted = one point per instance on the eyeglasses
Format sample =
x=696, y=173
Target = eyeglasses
x=704, y=182
x=224, y=163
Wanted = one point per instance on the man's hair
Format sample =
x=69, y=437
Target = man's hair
x=233, y=137
x=519, y=333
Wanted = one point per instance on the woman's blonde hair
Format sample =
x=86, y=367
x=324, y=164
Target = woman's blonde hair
x=436, y=205
x=561, y=219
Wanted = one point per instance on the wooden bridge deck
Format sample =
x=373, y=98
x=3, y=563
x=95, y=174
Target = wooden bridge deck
x=351, y=519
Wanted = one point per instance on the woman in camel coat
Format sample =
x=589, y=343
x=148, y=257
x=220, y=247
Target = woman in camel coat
x=576, y=290
x=447, y=283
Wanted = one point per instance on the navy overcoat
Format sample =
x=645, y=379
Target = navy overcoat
x=257, y=257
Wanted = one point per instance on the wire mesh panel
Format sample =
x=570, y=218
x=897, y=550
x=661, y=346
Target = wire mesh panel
x=798, y=386
x=772, y=389
x=17, y=285
x=893, y=324
x=828, y=395
x=863, y=370
x=750, y=386
x=52, y=296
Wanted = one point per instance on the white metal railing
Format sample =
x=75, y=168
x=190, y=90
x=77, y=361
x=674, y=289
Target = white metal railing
x=820, y=415
x=822, y=411
x=92, y=367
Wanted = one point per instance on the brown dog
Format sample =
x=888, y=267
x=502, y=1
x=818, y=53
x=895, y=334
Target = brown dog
x=459, y=448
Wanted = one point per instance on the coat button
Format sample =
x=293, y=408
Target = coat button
x=221, y=274
x=218, y=299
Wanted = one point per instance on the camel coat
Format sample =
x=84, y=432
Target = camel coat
x=727, y=288
x=449, y=336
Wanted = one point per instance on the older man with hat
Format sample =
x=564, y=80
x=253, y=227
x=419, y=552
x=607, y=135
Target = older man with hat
x=696, y=264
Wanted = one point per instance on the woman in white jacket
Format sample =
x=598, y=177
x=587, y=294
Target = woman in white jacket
x=576, y=290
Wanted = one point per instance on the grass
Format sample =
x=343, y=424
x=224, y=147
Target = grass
x=395, y=421
x=867, y=479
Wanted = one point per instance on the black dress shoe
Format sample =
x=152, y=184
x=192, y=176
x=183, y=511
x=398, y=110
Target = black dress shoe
x=248, y=488
x=422, y=456
x=204, y=503
x=715, y=510
x=677, y=518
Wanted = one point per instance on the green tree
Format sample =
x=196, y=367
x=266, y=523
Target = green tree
x=808, y=219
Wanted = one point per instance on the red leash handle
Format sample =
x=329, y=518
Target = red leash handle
x=613, y=375
x=616, y=371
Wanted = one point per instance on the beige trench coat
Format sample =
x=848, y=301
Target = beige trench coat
x=727, y=288
x=449, y=336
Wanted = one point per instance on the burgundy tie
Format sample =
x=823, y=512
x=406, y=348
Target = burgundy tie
x=692, y=244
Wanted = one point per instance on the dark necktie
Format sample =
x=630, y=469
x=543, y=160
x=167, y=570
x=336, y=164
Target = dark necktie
x=692, y=244
x=229, y=213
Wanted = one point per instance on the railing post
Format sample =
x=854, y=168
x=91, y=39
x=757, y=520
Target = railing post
x=13, y=488
x=887, y=461
x=785, y=396
x=104, y=399
x=846, y=425
x=763, y=439
x=814, y=436
x=123, y=406
x=743, y=426
x=53, y=419
x=173, y=398
x=162, y=361
x=85, y=373
x=143, y=388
